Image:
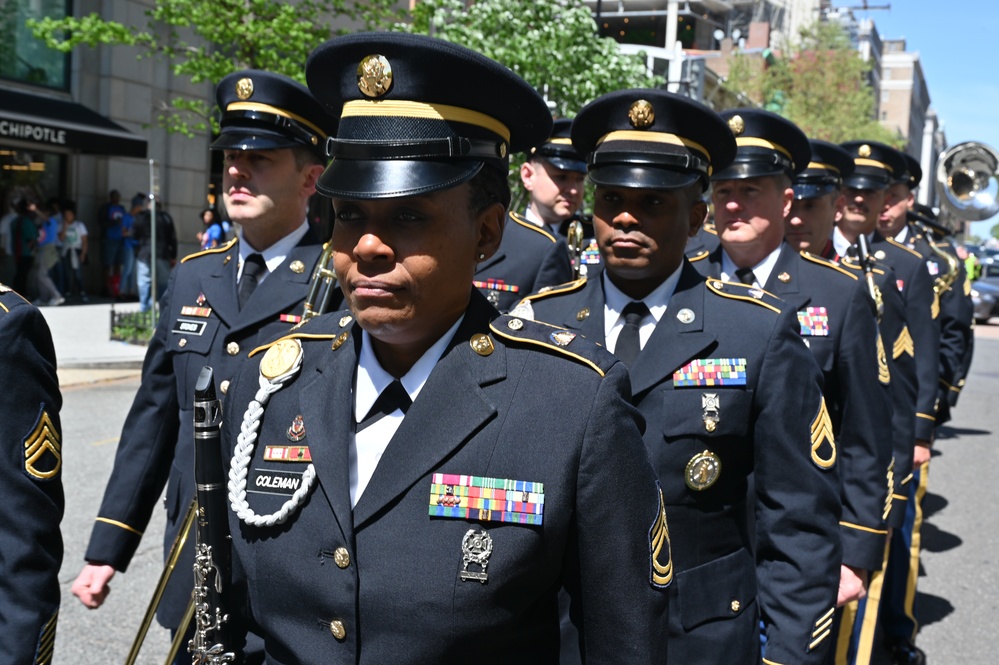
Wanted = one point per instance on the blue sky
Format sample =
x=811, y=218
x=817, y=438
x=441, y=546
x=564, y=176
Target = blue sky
x=957, y=43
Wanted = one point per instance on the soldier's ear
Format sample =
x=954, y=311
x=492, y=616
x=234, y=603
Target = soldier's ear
x=490, y=228
x=698, y=215
x=527, y=170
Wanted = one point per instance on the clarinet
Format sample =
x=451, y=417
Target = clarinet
x=211, y=643
x=864, y=258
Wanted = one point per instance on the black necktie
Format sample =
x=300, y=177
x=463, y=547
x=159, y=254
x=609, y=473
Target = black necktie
x=392, y=398
x=746, y=276
x=253, y=266
x=628, y=341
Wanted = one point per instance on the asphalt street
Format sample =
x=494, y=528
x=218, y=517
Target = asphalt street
x=956, y=600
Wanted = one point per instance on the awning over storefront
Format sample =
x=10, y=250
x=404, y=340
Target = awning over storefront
x=50, y=122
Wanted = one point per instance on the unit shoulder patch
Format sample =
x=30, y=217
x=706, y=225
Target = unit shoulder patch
x=214, y=250
x=519, y=219
x=825, y=263
x=737, y=291
x=553, y=339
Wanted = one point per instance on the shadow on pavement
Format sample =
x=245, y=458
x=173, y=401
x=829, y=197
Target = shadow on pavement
x=947, y=432
x=935, y=540
x=931, y=609
x=933, y=504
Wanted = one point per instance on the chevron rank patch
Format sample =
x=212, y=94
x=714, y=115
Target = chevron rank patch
x=711, y=372
x=659, y=546
x=487, y=499
x=823, y=443
x=43, y=449
x=903, y=344
x=884, y=376
x=814, y=321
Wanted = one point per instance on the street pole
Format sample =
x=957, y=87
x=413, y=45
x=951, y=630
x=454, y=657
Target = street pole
x=152, y=242
x=675, y=70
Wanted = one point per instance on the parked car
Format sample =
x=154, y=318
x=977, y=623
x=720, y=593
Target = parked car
x=985, y=296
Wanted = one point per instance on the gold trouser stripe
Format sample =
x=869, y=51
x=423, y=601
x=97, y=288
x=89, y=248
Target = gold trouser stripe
x=267, y=108
x=121, y=525
x=846, y=619
x=756, y=142
x=388, y=108
x=868, y=627
x=914, y=546
x=653, y=137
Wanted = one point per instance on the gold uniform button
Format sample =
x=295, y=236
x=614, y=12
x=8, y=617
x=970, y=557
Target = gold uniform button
x=339, y=632
x=224, y=386
x=182, y=342
x=736, y=606
x=232, y=348
x=341, y=557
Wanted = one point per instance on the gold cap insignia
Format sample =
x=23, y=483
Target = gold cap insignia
x=344, y=320
x=43, y=450
x=374, y=76
x=282, y=357
x=784, y=277
x=864, y=150
x=502, y=150
x=737, y=125
x=338, y=342
x=702, y=471
x=685, y=315
x=481, y=344
x=515, y=324
x=244, y=88
x=583, y=314
x=562, y=337
x=641, y=114
x=297, y=267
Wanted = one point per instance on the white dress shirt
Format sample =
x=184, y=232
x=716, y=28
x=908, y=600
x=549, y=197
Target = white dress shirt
x=274, y=255
x=615, y=301
x=761, y=270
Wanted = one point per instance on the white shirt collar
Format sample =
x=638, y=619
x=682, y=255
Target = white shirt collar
x=372, y=378
x=903, y=234
x=761, y=270
x=615, y=301
x=842, y=245
x=274, y=255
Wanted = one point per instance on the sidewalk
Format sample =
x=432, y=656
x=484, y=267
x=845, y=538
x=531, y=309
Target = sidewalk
x=84, y=351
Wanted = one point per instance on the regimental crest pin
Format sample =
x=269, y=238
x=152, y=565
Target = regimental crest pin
x=583, y=314
x=476, y=548
x=685, y=316
x=562, y=337
x=297, y=267
x=296, y=431
x=201, y=299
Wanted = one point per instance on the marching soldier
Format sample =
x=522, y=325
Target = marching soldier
x=409, y=496
x=220, y=304
x=532, y=253
x=30, y=485
x=837, y=320
x=730, y=395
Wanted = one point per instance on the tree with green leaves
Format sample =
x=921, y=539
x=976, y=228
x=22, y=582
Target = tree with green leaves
x=207, y=39
x=821, y=83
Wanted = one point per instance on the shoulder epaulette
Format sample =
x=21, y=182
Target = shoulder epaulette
x=826, y=264
x=327, y=326
x=533, y=227
x=847, y=262
x=213, y=250
x=559, y=289
x=697, y=257
x=892, y=241
x=737, y=291
x=710, y=228
x=4, y=290
x=554, y=339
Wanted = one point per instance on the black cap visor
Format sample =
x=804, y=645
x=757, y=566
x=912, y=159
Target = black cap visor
x=866, y=181
x=814, y=190
x=743, y=170
x=235, y=139
x=565, y=164
x=642, y=177
x=392, y=178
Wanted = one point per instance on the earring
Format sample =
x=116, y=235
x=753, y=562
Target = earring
x=481, y=256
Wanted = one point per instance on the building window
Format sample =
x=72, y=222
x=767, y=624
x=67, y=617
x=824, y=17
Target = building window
x=24, y=58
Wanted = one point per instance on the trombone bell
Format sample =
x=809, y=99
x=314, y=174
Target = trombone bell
x=968, y=181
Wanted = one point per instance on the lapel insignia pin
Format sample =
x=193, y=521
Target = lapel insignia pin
x=481, y=344
x=562, y=337
x=582, y=314
x=756, y=293
x=228, y=258
x=493, y=298
x=201, y=299
x=515, y=324
x=345, y=320
x=685, y=316
x=711, y=405
x=702, y=471
x=296, y=431
x=297, y=267
x=476, y=547
x=784, y=277
x=879, y=255
x=338, y=342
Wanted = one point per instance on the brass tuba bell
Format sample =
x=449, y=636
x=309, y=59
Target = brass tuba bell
x=968, y=181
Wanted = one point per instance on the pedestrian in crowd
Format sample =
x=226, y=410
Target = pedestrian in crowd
x=74, y=251
x=8, y=266
x=530, y=256
x=128, y=289
x=515, y=491
x=55, y=228
x=736, y=425
x=109, y=218
x=46, y=256
x=213, y=232
x=166, y=253
x=221, y=304
x=30, y=484
x=24, y=240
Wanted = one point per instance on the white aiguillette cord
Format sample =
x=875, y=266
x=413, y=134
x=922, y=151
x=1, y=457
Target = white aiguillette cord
x=246, y=441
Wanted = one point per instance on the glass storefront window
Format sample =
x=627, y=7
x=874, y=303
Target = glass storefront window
x=24, y=58
x=30, y=174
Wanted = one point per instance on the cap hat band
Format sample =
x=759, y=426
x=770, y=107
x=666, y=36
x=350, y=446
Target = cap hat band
x=448, y=147
x=820, y=165
x=653, y=137
x=561, y=141
x=386, y=108
x=756, y=142
x=266, y=108
x=860, y=161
